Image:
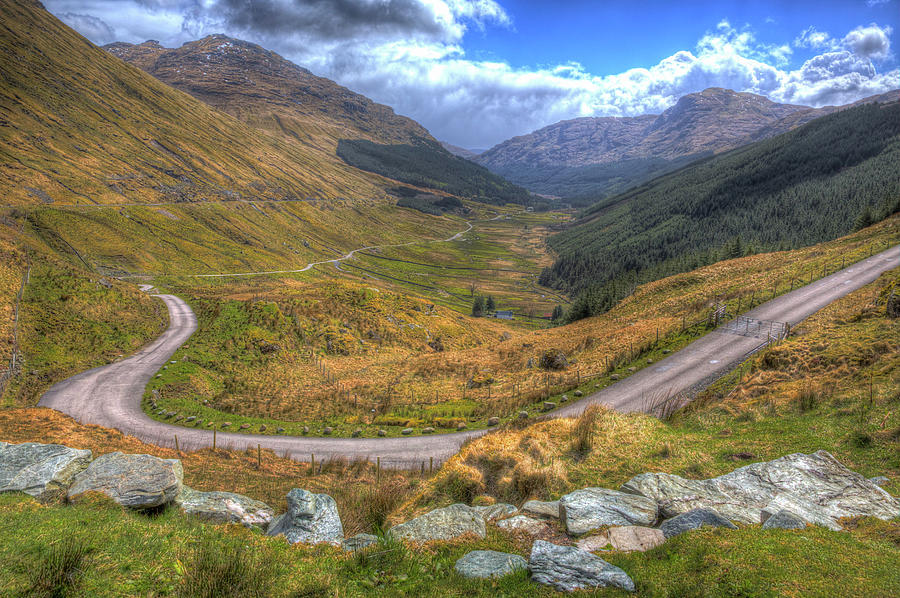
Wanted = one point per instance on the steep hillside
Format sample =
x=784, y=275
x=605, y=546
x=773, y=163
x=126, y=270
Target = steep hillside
x=802, y=187
x=80, y=126
x=270, y=93
x=601, y=156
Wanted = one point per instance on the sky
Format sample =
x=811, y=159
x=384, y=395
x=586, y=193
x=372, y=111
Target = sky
x=477, y=72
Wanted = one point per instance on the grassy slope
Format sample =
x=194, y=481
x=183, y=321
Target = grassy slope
x=80, y=126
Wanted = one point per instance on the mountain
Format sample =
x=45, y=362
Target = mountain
x=597, y=157
x=459, y=151
x=77, y=125
x=811, y=184
x=267, y=92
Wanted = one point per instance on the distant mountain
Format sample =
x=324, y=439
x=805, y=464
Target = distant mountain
x=270, y=93
x=459, y=151
x=813, y=183
x=596, y=157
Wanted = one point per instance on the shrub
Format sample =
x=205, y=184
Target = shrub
x=462, y=483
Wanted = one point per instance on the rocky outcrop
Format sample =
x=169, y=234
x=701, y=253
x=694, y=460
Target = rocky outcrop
x=134, y=481
x=447, y=523
x=629, y=538
x=481, y=564
x=588, y=509
x=226, y=507
x=43, y=471
x=783, y=519
x=567, y=569
x=815, y=487
x=494, y=512
x=310, y=519
x=694, y=519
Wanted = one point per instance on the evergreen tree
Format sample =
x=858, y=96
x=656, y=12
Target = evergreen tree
x=490, y=305
x=864, y=219
x=557, y=313
x=478, y=306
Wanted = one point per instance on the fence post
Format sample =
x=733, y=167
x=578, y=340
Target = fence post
x=312, y=463
x=177, y=450
x=430, y=465
x=214, y=439
x=258, y=457
x=377, y=468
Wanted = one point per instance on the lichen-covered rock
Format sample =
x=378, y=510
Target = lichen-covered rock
x=694, y=519
x=226, y=507
x=310, y=519
x=134, y=481
x=542, y=508
x=480, y=564
x=815, y=487
x=567, y=569
x=590, y=508
x=43, y=471
x=521, y=523
x=359, y=541
x=441, y=524
x=783, y=519
x=496, y=511
x=628, y=538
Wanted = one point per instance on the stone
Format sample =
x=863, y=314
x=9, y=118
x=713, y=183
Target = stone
x=310, y=519
x=134, y=481
x=590, y=508
x=244, y=426
x=406, y=431
x=783, y=519
x=564, y=399
x=523, y=415
x=815, y=487
x=549, y=406
x=627, y=538
x=521, y=523
x=226, y=507
x=43, y=471
x=359, y=541
x=441, y=524
x=493, y=421
x=694, y=519
x=190, y=418
x=496, y=511
x=356, y=433
x=567, y=569
x=553, y=359
x=382, y=433
x=226, y=424
x=461, y=426
x=544, y=509
x=281, y=430
x=327, y=431
x=482, y=564
x=428, y=430
x=262, y=428
x=880, y=480
x=578, y=393
x=614, y=377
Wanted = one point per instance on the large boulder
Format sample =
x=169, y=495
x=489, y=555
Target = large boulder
x=226, y=507
x=134, y=481
x=694, y=519
x=480, y=564
x=783, y=519
x=310, y=519
x=494, y=512
x=43, y=471
x=815, y=487
x=590, y=508
x=567, y=569
x=628, y=538
x=521, y=523
x=441, y=524
x=542, y=508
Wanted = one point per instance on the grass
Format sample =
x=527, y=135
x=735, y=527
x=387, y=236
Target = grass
x=56, y=570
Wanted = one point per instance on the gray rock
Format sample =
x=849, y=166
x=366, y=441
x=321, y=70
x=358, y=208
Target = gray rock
x=584, y=510
x=441, y=524
x=492, y=512
x=43, y=471
x=481, y=564
x=327, y=431
x=226, y=507
x=428, y=430
x=549, y=405
x=783, y=519
x=310, y=519
x=521, y=523
x=629, y=538
x=382, y=433
x=578, y=393
x=563, y=398
x=567, y=569
x=544, y=509
x=523, y=415
x=359, y=541
x=880, y=480
x=134, y=481
x=493, y=421
x=406, y=431
x=694, y=519
x=815, y=487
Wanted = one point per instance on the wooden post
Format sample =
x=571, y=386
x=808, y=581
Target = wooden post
x=214, y=439
x=177, y=450
x=258, y=457
x=430, y=465
x=377, y=468
x=657, y=334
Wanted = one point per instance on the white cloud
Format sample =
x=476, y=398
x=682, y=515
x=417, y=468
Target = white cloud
x=410, y=54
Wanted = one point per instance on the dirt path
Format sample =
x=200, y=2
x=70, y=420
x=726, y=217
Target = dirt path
x=111, y=395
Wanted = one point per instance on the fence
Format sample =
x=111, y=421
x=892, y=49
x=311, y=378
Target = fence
x=14, y=362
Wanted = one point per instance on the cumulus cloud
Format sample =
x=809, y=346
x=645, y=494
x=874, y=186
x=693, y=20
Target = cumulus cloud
x=411, y=55
x=93, y=28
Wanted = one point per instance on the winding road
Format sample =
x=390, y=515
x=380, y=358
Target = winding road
x=110, y=395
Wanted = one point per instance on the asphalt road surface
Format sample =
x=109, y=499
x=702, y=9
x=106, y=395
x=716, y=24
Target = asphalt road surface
x=110, y=395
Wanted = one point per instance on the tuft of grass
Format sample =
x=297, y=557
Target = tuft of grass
x=809, y=397
x=584, y=430
x=58, y=569
x=222, y=567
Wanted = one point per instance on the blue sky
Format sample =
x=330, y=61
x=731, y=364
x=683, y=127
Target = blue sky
x=476, y=72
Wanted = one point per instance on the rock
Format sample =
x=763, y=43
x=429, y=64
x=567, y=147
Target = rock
x=578, y=393
x=816, y=487
x=632, y=369
x=310, y=518
x=461, y=426
x=327, y=431
x=549, y=406
x=481, y=564
x=190, y=418
x=441, y=524
x=281, y=430
x=179, y=417
x=226, y=424
x=880, y=480
x=262, y=428
x=544, y=509
x=43, y=471
x=496, y=511
x=567, y=569
x=628, y=538
x=226, y=507
x=428, y=430
x=244, y=426
x=356, y=433
x=521, y=523
x=358, y=542
x=493, y=421
x=135, y=481
x=406, y=431
x=614, y=377
x=553, y=359
x=523, y=415
x=588, y=509
x=666, y=351
x=783, y=519
x=694, y=519
x=382, y=433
